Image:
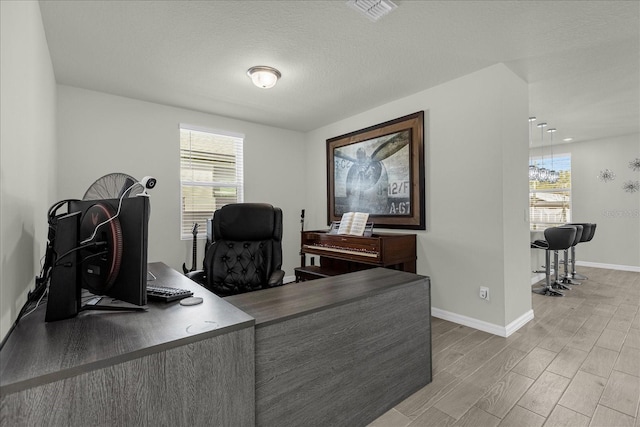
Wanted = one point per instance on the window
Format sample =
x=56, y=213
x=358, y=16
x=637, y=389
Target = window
x=210, y=175
x=550, y=204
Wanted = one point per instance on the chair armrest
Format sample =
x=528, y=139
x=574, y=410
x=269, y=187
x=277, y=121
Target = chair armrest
x=277, y=277
x=197, y=276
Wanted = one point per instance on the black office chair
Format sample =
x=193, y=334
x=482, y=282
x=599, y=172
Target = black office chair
x=246, y=252
x=556, y=239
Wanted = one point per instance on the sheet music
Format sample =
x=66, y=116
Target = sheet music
x=353, y=223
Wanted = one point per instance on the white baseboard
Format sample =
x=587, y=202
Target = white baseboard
x=288, y=279
x=608, y=266
x=518, y=323
x=502, y=331
x=538, y=277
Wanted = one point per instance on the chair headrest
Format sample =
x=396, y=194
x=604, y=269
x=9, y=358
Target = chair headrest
x=245, y=222
x=579, y=231
x=560, y=237
x=587, y=230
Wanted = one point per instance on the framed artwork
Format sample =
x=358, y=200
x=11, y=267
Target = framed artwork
x=379, y=170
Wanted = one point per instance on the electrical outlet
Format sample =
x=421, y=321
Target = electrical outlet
x=484, y=292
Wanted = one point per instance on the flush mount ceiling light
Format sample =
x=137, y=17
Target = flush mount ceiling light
x=372, y=9
x=264, y=77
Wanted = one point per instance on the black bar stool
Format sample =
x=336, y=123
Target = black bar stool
x=589, y=229
x=556, y=239
x=566, y=279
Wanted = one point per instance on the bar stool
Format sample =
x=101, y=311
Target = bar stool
x=587, y=234
x=566, y=279
x=556, y=239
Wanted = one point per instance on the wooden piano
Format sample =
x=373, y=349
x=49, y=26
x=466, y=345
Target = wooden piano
x=340, y=253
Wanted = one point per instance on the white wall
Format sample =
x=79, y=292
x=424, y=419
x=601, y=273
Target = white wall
x=616, y=212
x=616, y=243
x=101, y=133
x=515, y=197
x=476, y=190
x=27, y=152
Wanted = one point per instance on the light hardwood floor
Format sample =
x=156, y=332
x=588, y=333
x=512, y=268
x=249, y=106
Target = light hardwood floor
x=577, y=363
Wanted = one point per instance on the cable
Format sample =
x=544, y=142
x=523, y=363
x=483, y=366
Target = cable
x=21, y=315
x=77, y=248
x=57, y=205
x=47, y=261
x=37, y=303
x=45, y=281
x=110, y=219
x=42, y=263
x=93, y=256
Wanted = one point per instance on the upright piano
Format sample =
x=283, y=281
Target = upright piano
x=340, y=253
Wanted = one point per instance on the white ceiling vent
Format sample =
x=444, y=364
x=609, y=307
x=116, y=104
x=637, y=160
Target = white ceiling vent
x=372, y=9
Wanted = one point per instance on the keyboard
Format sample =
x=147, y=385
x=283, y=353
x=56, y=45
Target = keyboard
x=166, y=294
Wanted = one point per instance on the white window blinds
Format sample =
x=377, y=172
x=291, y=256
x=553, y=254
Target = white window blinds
x=550, y=204
x=210, y=175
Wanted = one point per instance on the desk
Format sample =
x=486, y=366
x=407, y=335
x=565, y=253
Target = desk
x=335, y=351
x=339, y=351
x=171, y=365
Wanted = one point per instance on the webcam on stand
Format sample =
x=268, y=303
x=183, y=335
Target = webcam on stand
x=148, y=182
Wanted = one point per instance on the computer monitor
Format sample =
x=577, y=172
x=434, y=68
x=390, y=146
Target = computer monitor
x=64, y=292
x=113, y=261
x=100, y=245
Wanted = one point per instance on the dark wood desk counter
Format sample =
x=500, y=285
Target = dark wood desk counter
x=44, y=355
x=335, y=351
x=339, y=351
x=297, y=299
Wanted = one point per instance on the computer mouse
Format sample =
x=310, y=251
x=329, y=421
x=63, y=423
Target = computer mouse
x=191, y=301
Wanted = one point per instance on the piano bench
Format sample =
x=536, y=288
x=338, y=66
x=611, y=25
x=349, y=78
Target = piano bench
x=312, y=272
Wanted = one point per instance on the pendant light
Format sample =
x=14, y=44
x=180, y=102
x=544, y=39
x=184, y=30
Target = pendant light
x=553, y=174
x=543, y=173
x=533, y=169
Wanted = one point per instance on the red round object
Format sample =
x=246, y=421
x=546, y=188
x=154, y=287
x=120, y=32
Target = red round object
x=100, y=265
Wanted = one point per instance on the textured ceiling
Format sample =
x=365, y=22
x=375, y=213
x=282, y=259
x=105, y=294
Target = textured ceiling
x=580, y=58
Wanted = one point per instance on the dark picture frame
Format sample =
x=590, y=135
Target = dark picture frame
x=379, y=170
